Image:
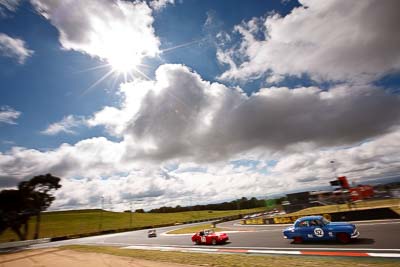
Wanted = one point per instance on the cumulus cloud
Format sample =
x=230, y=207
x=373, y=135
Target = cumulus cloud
x=66, y=125
x=179, y=115
x=180, y=133
x=8, y=6
x=88, y=158
x=327, y=40
x=377, y=158
x=8, y=115
x=149, y=187
x=182, y=136
x=83, y=166
x=109, y=30
x=14, y=48
x=161, y=4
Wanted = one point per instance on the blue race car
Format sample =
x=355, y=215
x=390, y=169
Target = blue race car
x=319, y=228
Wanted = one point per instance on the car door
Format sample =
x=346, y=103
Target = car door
x=208, y=237
x=202, y=237
x=302, y=230
x=316, y=230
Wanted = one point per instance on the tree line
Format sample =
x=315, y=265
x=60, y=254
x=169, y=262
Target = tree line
x=242, y=203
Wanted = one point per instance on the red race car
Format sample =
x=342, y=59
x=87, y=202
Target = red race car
x=209, y=237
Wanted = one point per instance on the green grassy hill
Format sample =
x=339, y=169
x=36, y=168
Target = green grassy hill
x=61, y=223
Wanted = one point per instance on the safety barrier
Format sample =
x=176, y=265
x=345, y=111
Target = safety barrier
x=111, y=231
x=354, y=215
x=24, y=243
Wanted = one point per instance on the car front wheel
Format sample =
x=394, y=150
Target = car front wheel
x=214, y=241
x=343, y=238
x=297, y=240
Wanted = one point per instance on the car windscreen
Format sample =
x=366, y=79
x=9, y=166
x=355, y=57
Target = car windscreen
x=325, y=221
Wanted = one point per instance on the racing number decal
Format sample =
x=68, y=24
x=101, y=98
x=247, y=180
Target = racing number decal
x=203, y=239
x=318, y=232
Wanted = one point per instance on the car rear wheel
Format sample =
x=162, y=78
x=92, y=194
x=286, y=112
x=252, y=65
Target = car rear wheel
x=197, y=242
x=297, y=240
x=343, y=238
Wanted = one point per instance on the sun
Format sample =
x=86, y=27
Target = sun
x=121, y=50
x=122, y=56
x=123, y=62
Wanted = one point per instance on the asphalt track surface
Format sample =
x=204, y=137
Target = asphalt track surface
x=376, y=236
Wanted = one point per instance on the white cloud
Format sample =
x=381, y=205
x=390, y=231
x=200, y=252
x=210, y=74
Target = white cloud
x=179, y=134
x=14, y=48
x=179, y=115
x=116, y=31
x=8, y=5
x=160, y=4
x=88, y=158
x=373, y=159
x=84, y=165
x=8, y=115
x=328, y=40
x=66, y=125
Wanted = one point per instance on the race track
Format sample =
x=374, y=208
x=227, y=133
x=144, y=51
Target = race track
x=382, y=236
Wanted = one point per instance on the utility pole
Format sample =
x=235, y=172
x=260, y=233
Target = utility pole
x=130, y=214
x=334, y=168
x=335, y=176
x=101, y=213
x=238, y=206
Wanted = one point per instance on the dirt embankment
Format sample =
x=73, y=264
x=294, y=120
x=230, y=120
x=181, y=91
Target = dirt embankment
x=64, y=258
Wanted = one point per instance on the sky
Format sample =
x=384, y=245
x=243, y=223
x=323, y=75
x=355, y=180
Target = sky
x=184, y=102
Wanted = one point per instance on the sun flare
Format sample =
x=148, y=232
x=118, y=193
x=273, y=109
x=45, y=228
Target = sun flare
x=122, y=61
x=123, y=66
x=123, y=49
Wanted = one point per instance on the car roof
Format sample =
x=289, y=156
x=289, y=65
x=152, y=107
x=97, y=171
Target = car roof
x=306, y=218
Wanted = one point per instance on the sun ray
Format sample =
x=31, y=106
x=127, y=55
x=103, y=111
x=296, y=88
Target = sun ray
x=184, y=45
x=102, y=66
x=98, y=81
x=131, y=75
x=115, y=80
x=143, y=65
x=142, y=73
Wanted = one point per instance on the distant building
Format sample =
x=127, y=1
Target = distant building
x=344, y=193
x=298, y=201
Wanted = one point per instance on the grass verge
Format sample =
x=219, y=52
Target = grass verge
x=231, y=260
x=62, y=223
x=194, y=229
x=396, y=209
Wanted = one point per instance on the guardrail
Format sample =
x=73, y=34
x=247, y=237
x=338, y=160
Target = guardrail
x=120, y=230
x=354, y=215
x=24, y=243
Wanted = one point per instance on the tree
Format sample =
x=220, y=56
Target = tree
x=14, y=213
x=139, y=211
x=31, y=198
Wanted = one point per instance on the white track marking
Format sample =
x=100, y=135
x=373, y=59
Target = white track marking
x=385, y=255
x=276, y=248
x=275, y=252
x=259, y=251
x=318, y=248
